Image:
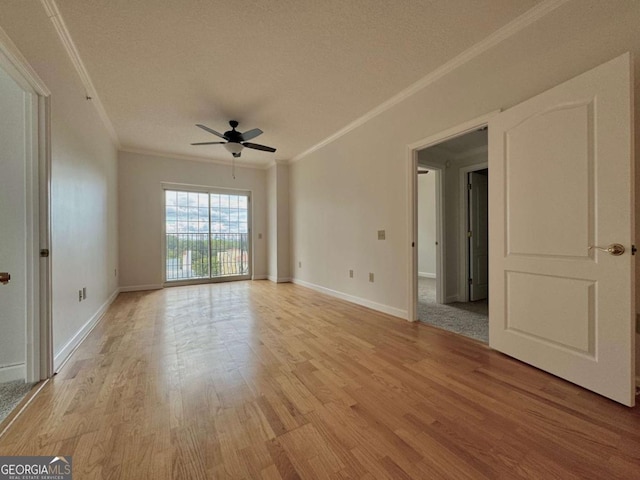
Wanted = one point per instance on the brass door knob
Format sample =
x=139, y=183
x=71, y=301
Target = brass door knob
x=5, y=278
x=614, y=249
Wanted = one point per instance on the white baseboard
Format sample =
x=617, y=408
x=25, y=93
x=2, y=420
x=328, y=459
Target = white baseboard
x=63, y=355
x=426, y=275
x=279, y=280
x=9, y=373
x=260, y=277
x=396, y=312
x=451, y=299
x=140, y=288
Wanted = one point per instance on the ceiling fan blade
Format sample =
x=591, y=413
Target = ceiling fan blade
x=207, y=129
x=208, y=143
x=249, y=134
x=257, y=146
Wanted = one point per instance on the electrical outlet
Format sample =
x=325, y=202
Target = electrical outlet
x=299, y=264
x=381, y=234
x=350, y=273
x=84, y=293
x=80, y=295
x=371, y=277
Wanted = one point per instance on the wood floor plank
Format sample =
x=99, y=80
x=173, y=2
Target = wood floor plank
x=255, y=380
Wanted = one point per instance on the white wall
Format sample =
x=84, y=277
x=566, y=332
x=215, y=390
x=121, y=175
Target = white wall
x=83, y=186
x=141, y=212
x=357, y=184
x=278, y=213
x=427, y=225
x=284, y=272
x=272, y=221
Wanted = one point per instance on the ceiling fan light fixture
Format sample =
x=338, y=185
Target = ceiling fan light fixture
x=233, y=147
x=236, y=141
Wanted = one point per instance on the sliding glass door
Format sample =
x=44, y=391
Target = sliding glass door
x=206, y=236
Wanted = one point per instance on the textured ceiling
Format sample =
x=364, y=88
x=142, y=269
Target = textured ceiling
x=298, y=69
x=455, y=148
x=464, y=143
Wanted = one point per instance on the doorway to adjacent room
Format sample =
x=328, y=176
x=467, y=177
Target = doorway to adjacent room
x=452, y=230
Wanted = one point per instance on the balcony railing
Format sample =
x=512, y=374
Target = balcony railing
x=201, y=255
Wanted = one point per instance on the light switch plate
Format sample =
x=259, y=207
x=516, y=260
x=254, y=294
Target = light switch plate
x=381, y=234
x=371, y=277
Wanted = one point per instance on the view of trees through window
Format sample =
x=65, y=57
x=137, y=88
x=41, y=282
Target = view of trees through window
x=207, y=235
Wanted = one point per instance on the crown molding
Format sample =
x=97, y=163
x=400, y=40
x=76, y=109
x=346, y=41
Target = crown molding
x=20, y=63
x=520, y=23
x=273, y=163
x=190, y=158
x=54, y=15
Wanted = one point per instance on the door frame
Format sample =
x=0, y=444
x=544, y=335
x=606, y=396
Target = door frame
x=465, y=267
x=438, y=171
x=39, y=332
x=412, y=199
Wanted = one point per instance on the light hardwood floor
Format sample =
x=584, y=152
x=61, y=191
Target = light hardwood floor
x=262, y=381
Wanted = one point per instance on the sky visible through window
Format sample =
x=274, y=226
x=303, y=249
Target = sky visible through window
x=189, y=212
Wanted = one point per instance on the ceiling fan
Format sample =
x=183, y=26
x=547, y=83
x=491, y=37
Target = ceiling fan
x=236, y=141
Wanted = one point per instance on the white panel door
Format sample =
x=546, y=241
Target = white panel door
x=561, y=181
x=14, y=150
x=479, y=240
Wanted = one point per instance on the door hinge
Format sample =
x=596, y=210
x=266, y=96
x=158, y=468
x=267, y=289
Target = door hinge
x=44, y=253
x=471, y=281
x=469, y=234
x=633, y=249
x=469, y=186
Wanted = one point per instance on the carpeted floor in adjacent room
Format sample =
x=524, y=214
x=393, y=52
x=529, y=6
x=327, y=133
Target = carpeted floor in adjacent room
x=11, y=394
x=470, y=319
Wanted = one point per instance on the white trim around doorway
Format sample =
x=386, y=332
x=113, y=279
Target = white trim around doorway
x=39, y=348
x=412, y=211
x=465, y=272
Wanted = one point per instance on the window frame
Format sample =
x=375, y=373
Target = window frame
x=187, y=188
